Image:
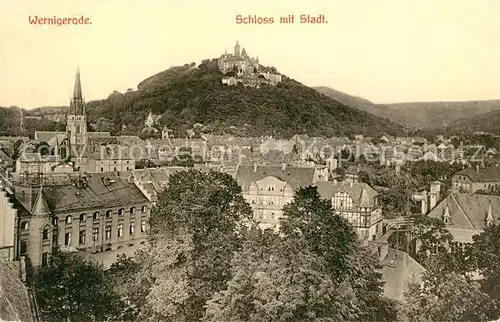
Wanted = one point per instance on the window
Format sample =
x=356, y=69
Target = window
x=120, y=212
x=24, y=247
x=132, y=228
x=68, y=219
x=45, y=259
x=143, y=226
x=489, y=223
x=132, y=210
x=102, y=169
x=120, y=230
x=24, y=225
x=45, y=234
x=114, y=169
x=96, y=215
x=82, y=237
x=67, y=239
x=446, y=220
x=108, y=232
x=95, y=234
x=108, y=214
x=82, y=217
x=143, y=209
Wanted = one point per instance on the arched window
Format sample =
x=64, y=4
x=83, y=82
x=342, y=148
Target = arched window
x=83, y=217
x=24, y=225
x=96, y=215
x=45, y=234
x=120, y=212
x=68, y=219
x=132, y=210
x=446, y=220
x=108, y=214
x=143, y=209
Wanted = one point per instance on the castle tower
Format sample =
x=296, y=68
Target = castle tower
x=237, y=49
x=76, y=126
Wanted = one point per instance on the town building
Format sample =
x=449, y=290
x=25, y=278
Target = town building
x=466, y=215
x=268, y=188
x=8, y=215
x=358, y=203
x=474, y=179
x=93, y=213
x=428, y=200
x=76, y=149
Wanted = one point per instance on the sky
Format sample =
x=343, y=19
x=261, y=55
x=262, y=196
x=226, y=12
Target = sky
x=386, y=51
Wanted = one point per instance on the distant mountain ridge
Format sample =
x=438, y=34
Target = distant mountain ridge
x=424, y=115
x=182, y=96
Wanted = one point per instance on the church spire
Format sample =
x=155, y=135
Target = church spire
x=77, y=92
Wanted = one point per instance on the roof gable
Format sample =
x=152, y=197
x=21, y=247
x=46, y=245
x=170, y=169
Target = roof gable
x=468, y=211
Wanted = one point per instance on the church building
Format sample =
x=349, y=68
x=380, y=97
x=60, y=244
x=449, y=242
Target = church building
x=77, y=149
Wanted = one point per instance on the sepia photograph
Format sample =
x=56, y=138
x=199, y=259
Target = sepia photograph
x=258, y=161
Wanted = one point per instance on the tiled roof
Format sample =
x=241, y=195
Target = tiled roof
x=14, y=300
x=46, y=136
x=361, y=193
x=482, y=175
x=97, y=193
x=399, y=271
x=468, y=211
x=296, y=177
x=95, y=135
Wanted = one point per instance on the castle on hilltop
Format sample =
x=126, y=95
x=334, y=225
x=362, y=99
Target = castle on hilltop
x=239, y=67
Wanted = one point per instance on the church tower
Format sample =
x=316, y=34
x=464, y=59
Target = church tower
x=76, y=126
x=237, y=49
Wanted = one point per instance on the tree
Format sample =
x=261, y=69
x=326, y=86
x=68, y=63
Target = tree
x=194, y=231
x=351, y=267
x=104, y=124
x=426, y=236
x=484, y=256
x=72, y=288
x=277, y=280
x=131, y=283
x=448, y=296
x=326, y=233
